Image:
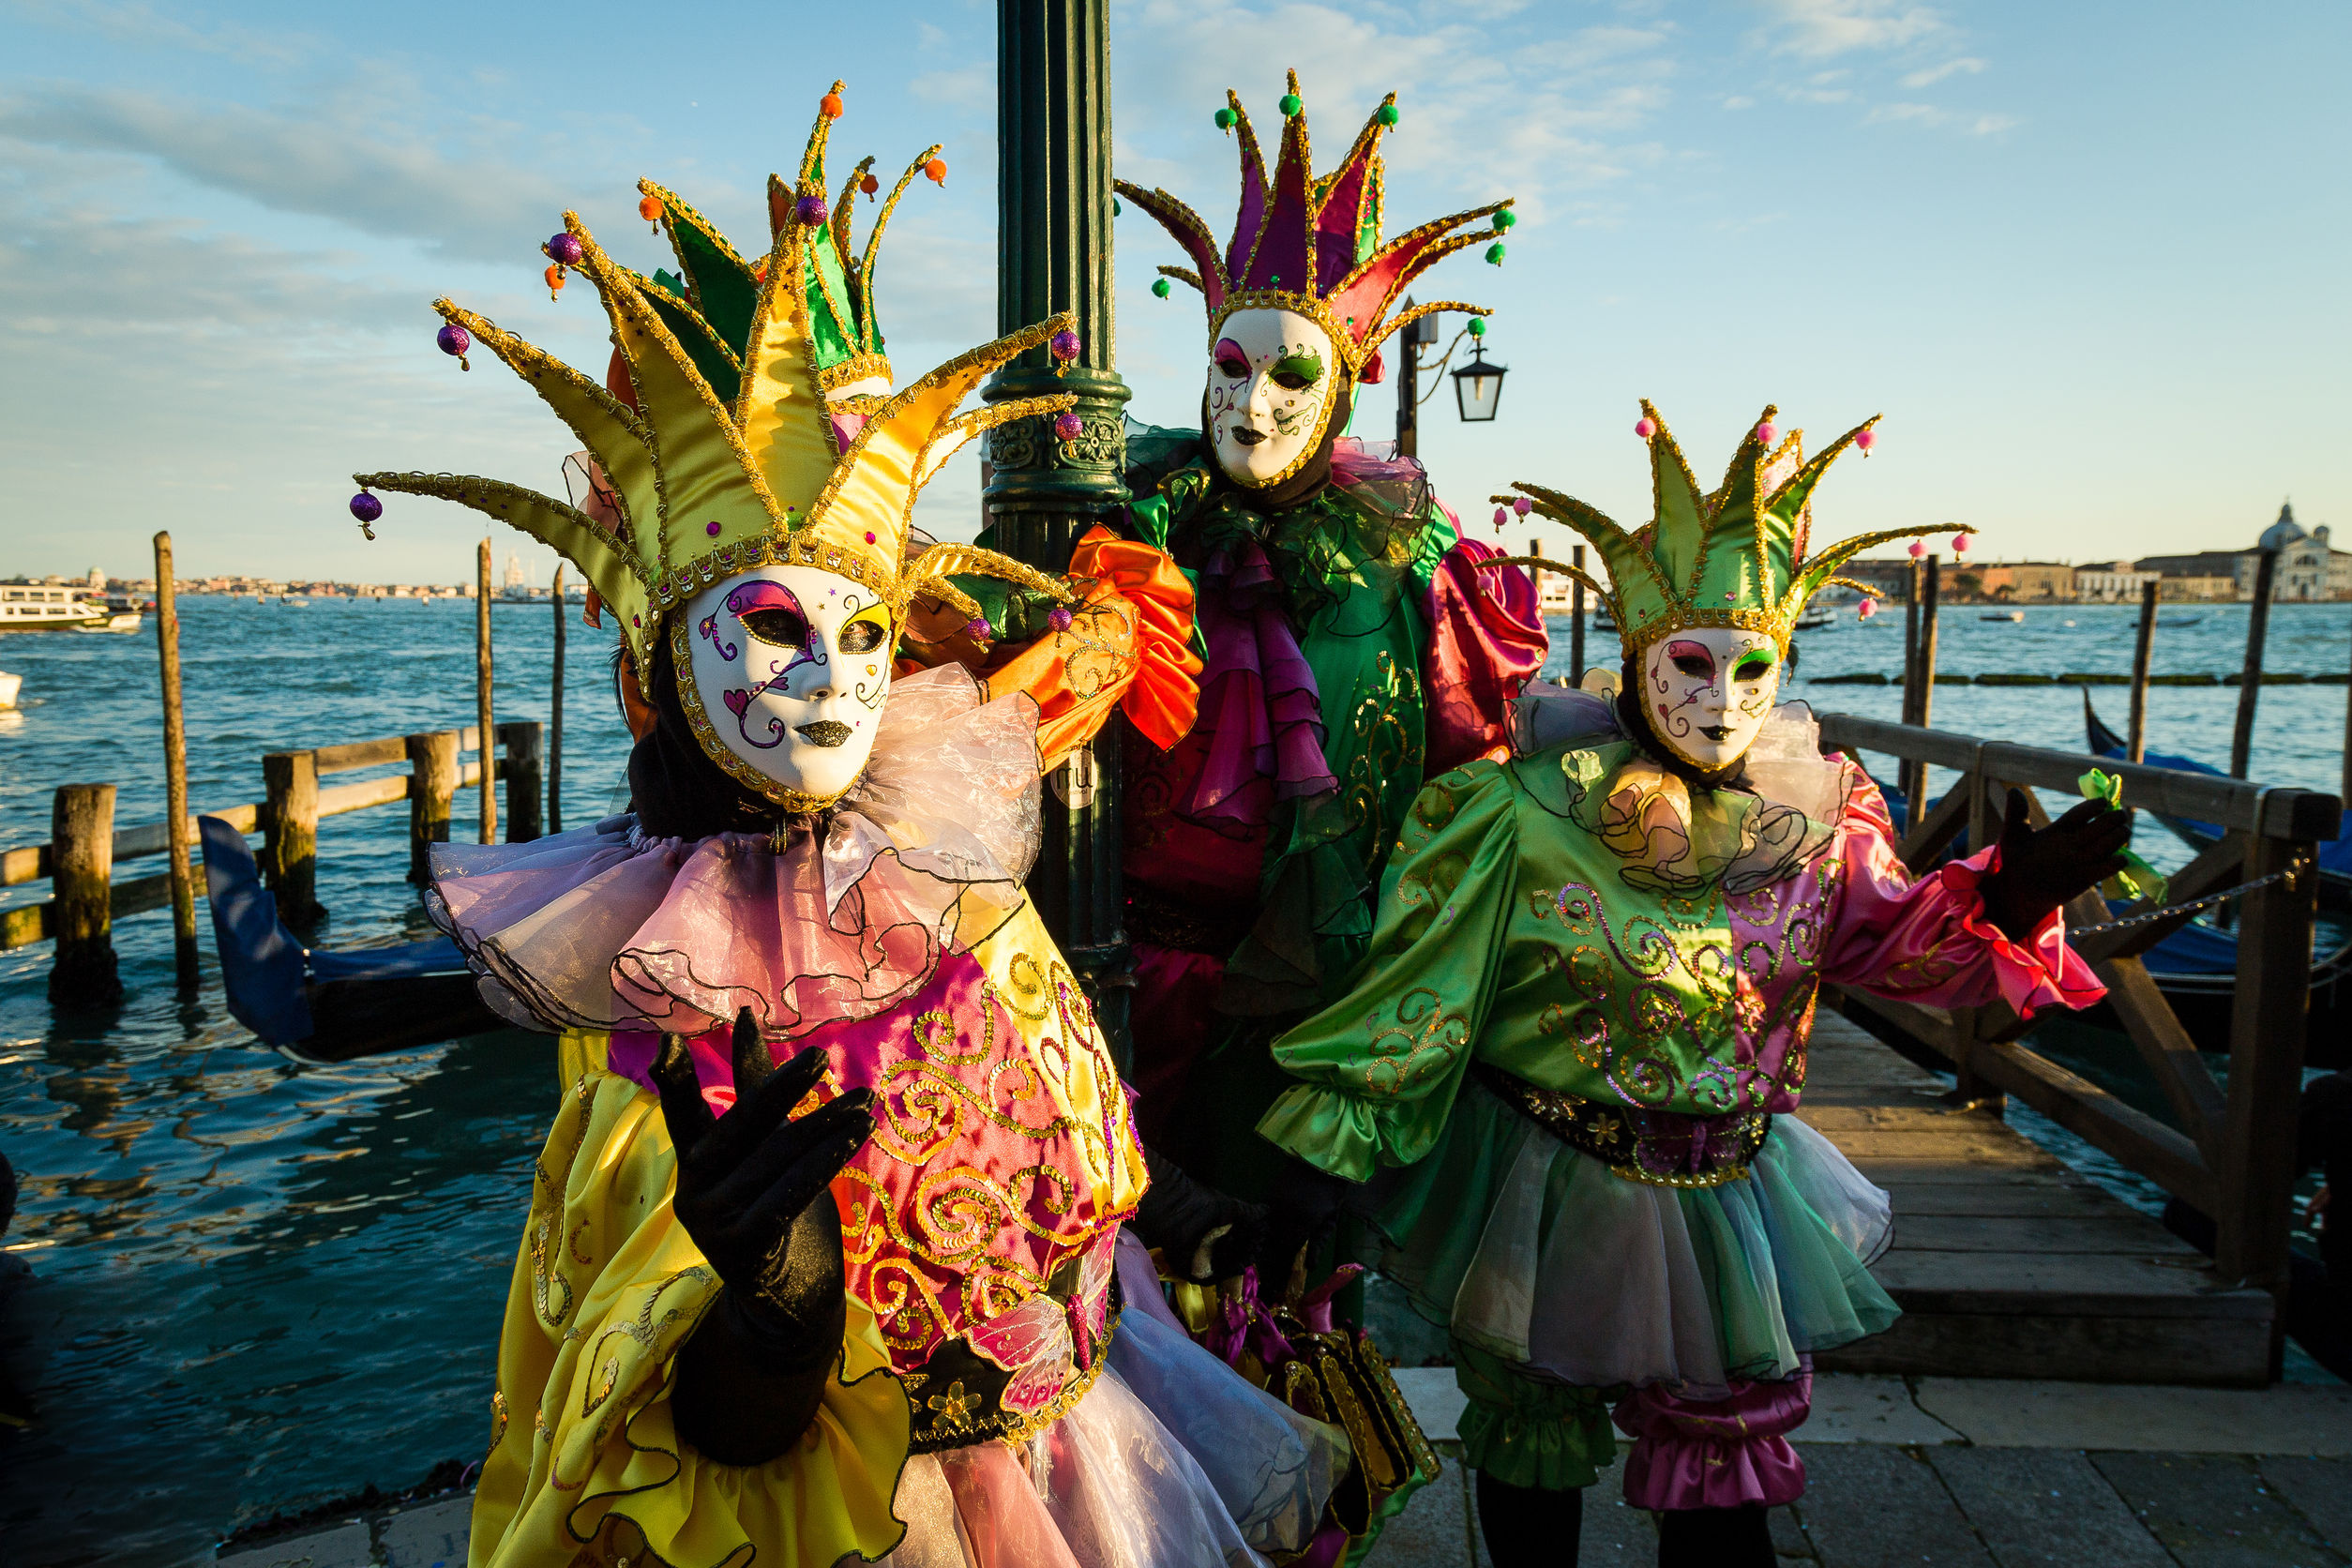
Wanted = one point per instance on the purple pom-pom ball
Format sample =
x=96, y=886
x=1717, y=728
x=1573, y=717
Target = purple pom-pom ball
x=1068, y=426
x=979, y=628
x=812, y=210
x=454, y=340
x=365, y=507
x=1523, y=505
x=1064, y=346
x=1059, y=618
x=565, y=248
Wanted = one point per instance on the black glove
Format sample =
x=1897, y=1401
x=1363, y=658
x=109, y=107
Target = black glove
x=2041, y=870
x=1308, y=1204
x=1202, y=1234
x=754, y=1194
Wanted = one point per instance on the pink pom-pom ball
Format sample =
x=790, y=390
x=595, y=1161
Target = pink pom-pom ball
x=1503, y=515
x=1867, y=609
x=1523, y=505
x=1959, y=544
x=1765, y=432
x=1645, y=428
x=1865, y=439
x=1919, y=548
x=1068, y=426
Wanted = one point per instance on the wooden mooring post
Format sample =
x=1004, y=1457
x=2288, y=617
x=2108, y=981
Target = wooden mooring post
x=1576, y=620
x=167, y=637
x=290, y=828
x=520, y=740
x=2258, y=633
x=1920, y=679
x=555, y=717
x=82, y=874
x=482, y=690
x=2142, y=652
x=432, y=788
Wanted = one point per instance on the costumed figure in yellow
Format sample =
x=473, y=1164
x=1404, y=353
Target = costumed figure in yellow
x=824, y=1254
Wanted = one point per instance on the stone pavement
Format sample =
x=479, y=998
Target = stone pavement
x=1945, y=1472
x=1977, y=1473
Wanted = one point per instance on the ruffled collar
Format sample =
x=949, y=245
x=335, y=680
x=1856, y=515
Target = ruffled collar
x=1683, y=842
x=606, y=928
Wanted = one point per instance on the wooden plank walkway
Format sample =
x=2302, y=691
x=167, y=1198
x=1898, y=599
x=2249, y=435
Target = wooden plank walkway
x=2008, y=1264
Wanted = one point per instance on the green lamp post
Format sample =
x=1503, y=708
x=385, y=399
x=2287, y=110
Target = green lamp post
x=1049, y=484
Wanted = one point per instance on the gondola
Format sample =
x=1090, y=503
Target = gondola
x=2335, y=857
x=318, y=1006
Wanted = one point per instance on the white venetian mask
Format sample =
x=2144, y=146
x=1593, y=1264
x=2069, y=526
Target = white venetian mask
x=1707, y=690
x=1272, y=379
x=790, y=665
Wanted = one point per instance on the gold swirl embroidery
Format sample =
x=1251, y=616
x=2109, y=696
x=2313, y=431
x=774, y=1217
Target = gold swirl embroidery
x=1028, y=987
x=498, y=1421
x=1423, y=1029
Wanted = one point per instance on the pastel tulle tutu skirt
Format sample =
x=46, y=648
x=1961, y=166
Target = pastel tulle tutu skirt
x=1172, y=1460
x=1593, y=1280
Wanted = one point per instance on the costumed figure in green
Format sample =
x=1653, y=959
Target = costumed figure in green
x=1351, y=647
x=1566, y=1068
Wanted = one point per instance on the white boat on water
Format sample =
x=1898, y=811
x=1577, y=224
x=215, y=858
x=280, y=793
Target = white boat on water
x=8, y=686
x=32, y=608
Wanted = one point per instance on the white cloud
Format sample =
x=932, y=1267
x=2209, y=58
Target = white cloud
x=1934, y=74
x=1928, y=114
x=144, y=26
x=1823, y=28
x=357, y=169
x=1739, y=101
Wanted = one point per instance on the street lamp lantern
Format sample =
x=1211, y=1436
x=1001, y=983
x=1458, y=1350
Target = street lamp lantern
x=1478, y=388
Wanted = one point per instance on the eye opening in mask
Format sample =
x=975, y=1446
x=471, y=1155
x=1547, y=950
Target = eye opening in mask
x=863, y=635
x=1693, y=660
x=1755, y=666
x=776, y=625
x=1296, y=372
x=1231, y=360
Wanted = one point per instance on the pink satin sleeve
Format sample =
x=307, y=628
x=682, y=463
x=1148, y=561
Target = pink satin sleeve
x=1926, y=939
x=1486, y=637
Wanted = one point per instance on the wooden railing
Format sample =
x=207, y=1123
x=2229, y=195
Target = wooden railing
x=84, y=846
x=2234, y=1155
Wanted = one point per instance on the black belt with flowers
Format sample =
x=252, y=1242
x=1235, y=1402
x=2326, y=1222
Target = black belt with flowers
x=1662, y=1148
x=958, y=1394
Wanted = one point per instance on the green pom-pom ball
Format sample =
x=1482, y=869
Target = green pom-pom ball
x=1159, y=287
x=1116, y=210
x=1289, y=105
x=1506, y=218
x=1494, y=254
x=1225, y=119
x=1388, y=113
x=1478, y=326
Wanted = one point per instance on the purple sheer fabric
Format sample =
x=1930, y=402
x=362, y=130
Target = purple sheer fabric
x=1486, y=637
x=1715, y=1454
x=1260, y=712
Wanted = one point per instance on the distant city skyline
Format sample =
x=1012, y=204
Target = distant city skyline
x=2083, y=259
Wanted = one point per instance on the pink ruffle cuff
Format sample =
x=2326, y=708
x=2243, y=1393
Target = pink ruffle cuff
x=1720, y=1454
x=2038, y=972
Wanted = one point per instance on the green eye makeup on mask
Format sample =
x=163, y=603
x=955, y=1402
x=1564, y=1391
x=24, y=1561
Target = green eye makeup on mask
x=1752, y=668
x=1297, y=371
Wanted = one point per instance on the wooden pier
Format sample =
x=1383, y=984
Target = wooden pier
x=2011, y=1266
x=2005, y=1264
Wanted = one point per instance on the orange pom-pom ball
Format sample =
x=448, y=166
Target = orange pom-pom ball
x=831, y=105
x=554, y=280
x=869, y=185
x=937, y=170
x=649, y=208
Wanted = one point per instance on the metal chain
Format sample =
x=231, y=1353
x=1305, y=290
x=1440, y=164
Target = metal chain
x=2285, y=874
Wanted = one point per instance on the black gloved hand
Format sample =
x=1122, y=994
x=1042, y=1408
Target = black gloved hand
x=2039, y=870
x=754, y=1193
x=1308, y=1204
x=1202, y=1234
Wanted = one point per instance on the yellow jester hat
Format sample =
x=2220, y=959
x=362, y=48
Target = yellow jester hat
x=707, y=487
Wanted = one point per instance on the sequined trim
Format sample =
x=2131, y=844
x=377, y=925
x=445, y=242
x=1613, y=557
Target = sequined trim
x=1659, y=1149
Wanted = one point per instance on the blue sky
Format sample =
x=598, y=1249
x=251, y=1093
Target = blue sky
x=2086, y=259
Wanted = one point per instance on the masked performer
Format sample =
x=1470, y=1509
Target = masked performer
x=1582, y=1027
x=865, y=1303
x=1352, y=649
